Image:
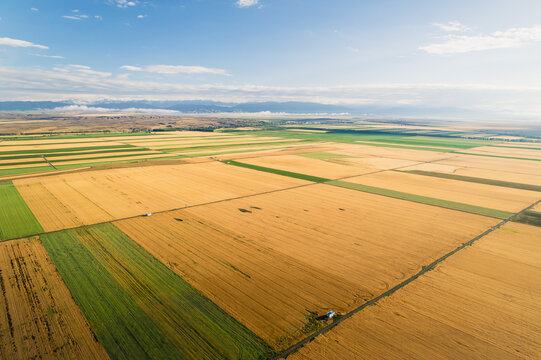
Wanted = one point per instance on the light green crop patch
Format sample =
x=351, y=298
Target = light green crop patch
x=16, y=218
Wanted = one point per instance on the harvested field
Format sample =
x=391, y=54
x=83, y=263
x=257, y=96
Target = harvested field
x=506, y=151
x=469, y=170
x=134, y=191
x=110, y=158
x=38, y=317
x=310, y=235
x=525, y=167
x=443, y=314
x=376, y=163
x=493, y=197
x=385, y=152
x=184, y=320
x=16, y=219
x=308, y=166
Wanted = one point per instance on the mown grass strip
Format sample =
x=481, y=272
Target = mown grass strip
x=278, y=172
x=124, y=330
x=508, y=184
x=530, y=218
x=16, y=218
x=197, y=327
x=498, y=214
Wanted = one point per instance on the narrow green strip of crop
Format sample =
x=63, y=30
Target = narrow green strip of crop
x=195, y=325
x=5, y=172
x=323, y=155
x=68, y=150
x=124, y=330
x=475, y=180
x=529, y=218
x=424, y=199
x=278, y=172
x=16, y=218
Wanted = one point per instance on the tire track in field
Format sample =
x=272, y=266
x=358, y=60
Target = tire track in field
x=389, y=292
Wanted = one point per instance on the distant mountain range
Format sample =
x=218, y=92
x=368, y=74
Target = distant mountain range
x=209, y=107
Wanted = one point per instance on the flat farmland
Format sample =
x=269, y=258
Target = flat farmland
x=251, y=255
x=488, y=196
x=443, y=314
x=525, y=172
x=38, y=317
x=96, y=196
x=390, y=152
x=308, y=166
x=527, y=153
x=16, y=219
x=138, y=307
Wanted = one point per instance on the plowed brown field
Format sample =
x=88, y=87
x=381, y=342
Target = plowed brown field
x=38, y=317
x=482, y=303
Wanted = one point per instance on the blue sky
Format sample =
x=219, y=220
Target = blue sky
x=432, y=53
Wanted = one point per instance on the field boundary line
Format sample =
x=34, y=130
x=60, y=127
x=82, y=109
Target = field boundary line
x=389, y=292
x=48, y=162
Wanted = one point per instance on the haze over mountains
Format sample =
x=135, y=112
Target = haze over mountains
x=210, y=107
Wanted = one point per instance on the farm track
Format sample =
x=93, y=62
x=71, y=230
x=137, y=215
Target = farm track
x=389, y=292
x=48, y=162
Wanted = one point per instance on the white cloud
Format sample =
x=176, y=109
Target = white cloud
x=49, y=56
x=246, y=3
x=75, y=10
x=452, y=26
x=71, y=17
x=84, y=83
x=20, y=43
x=511, y=38
x=98, y=17
x=122, y=3
x=176, y=69
x=131, y=68
x=34, y=9
x=142, y=16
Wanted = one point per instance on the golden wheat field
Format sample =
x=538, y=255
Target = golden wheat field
x=313, y=248
x=489, y=196
x=38, y=317
x=479, y=304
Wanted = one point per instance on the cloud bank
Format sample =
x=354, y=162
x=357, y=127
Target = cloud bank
x=175, y=69
x=510, y=38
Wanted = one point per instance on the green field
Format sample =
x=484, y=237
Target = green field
x=529, y=218
x=144, y=298
x=278, y=172
x=16, y=218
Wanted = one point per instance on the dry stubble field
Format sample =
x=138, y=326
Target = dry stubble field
x=38, y=317
x=482, y=303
